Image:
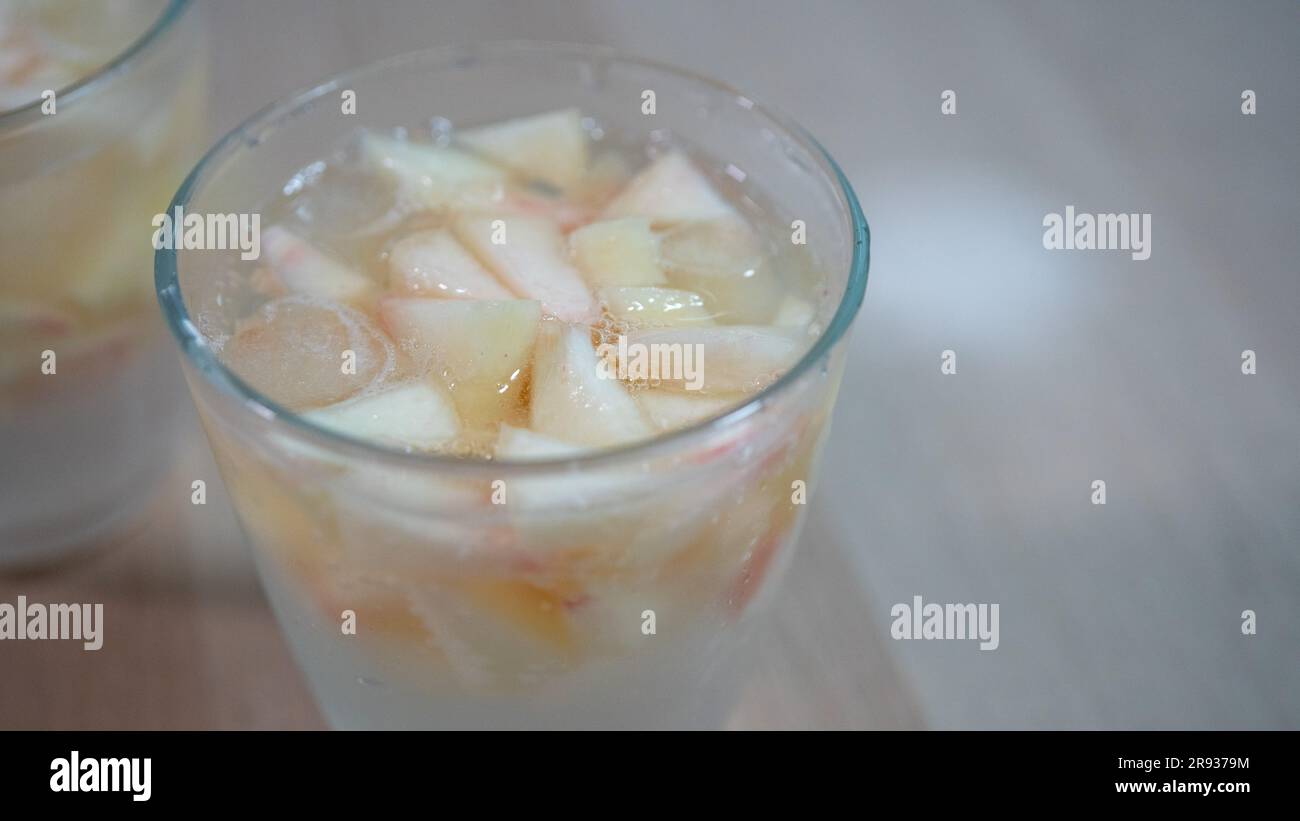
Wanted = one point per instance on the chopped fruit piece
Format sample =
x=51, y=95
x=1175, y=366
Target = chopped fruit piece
x=723, y=260
x=103, y=273
x=655, y=307
x=617, y=252
x=566, y=215
x=570, y=520
x=794, y=313
x=540, y=613
x=670, y=410
x=433, y=263
x=389, y=615
x=415, y=415
x=754, y=570
x=295, y=350
x=527, y=255
x=573, y=400
x=414, y=491
x=671, y=190
x=303, y=269
x=550, y=147
x=496, y=633
x=523, y=444
x=550, y=494
x=435, y=176
x=481, y=348
x=733, y=358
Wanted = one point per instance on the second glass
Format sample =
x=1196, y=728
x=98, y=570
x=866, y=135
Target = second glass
x=87, y=391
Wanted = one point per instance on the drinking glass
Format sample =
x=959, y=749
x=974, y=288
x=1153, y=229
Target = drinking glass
x=87, y=384
x=601, y=590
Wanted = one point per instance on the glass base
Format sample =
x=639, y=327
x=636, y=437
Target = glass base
x=38, y=544
x=83, y=458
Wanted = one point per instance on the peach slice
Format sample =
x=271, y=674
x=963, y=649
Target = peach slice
x=756, y=565
x=605, y=522
x=573, y=400
x=622, y=252
x=561, y=494
x=305, y=353
x=550, y=147
x=481, y=348
x=433, y=263
x=670, y=190
x=496, y=634
x=723, y=260
x=655, y=307
x=435, y=176
x=538, y=612
x=527, y=254
x=670, y=410
x=523, y=444
x=565, y=214
x=732, y=358
x=552, y=494
x=416, y=415
x=304, y=269
x=103, y=273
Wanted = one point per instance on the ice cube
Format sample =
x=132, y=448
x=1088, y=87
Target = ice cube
x=304, y=353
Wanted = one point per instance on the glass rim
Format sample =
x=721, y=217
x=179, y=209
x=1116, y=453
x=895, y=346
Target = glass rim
x=14, y=118
x=259, y=127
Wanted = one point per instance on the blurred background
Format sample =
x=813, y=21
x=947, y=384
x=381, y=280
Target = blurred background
x=970, y=487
